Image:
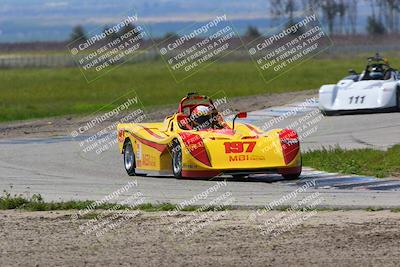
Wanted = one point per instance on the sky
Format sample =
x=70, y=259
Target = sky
x=42, y=20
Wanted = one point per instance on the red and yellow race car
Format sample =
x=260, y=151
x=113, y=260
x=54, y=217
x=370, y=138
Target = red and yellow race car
x=196, y=142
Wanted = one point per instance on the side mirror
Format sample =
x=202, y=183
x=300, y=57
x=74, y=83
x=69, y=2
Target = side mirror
x=240, y=115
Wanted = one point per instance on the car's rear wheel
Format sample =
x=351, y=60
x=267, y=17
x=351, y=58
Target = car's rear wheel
x=176, y=159
x=328, y=113
x=129, y=158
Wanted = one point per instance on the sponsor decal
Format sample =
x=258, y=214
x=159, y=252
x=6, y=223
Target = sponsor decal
x=138, y=151
x=190, y=166
x=121, y=135
x=244, y=157
x=148, y=160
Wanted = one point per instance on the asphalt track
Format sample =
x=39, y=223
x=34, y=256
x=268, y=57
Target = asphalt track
x=58, y=169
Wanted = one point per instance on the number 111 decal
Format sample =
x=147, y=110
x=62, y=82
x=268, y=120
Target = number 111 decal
x=356, y=98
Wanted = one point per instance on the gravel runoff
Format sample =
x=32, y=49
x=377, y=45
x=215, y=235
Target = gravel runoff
x=225, y=238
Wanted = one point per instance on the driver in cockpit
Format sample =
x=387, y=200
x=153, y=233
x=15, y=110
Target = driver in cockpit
x=205, y=117
x=376, y=73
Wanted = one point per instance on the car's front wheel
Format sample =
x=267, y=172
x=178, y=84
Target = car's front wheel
x=294, y=175
x=176, y=159
x=129, y=158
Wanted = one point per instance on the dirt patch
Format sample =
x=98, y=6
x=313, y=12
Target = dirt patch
x=62, y=126
x=340, y=238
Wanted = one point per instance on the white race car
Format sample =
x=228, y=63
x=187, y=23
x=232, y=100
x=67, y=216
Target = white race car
x=376, y=89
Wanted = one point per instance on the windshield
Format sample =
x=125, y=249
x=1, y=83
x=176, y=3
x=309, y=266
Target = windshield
x=189, y=104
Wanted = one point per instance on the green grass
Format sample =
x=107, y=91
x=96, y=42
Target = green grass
x=357, y=161
x=36, y=203
x=47, y=92
x=374, y=209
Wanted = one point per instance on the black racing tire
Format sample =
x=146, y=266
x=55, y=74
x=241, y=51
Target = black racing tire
x=293, y=176
x=176, y=159
x=239, y=176
x=328, y=113
x=129, y=158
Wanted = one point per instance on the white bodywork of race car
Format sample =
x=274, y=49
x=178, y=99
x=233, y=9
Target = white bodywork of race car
x=353, y=94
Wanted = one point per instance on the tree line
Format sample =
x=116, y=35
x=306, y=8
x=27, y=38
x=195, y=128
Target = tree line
x=341, y=16
x=79, y=33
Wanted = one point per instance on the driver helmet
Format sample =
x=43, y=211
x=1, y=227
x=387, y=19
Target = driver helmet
x=201, y=116
x=376, y=73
